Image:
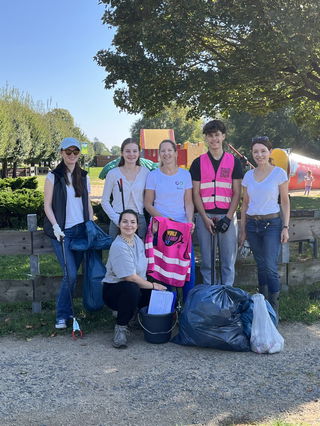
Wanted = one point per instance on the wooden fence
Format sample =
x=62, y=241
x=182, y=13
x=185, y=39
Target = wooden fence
x=304, y=228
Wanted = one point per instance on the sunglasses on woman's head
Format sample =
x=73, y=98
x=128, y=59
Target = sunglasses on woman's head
x=72, y=151
x=260, y=139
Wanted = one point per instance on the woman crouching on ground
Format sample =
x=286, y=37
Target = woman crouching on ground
x=125, y=285
x=261, y=223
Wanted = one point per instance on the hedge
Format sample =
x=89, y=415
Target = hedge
x=15, y=205
x=19, y=183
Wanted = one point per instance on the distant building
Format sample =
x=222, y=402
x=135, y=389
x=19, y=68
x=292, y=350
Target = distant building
x=102, y=160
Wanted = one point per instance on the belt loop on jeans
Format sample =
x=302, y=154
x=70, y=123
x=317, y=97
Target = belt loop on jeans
x=263, y=216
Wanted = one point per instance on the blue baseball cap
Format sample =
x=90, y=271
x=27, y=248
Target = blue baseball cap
x=67, y=142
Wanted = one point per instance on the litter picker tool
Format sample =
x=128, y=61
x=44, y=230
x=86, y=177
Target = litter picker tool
x=242, y=157
x=76, y=331
x=120, y=185
x=215, y=246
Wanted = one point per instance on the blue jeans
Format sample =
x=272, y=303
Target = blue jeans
x=228, y=244
x=264, y=237
x=64, y=306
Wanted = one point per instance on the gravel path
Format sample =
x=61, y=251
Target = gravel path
x=57, y=381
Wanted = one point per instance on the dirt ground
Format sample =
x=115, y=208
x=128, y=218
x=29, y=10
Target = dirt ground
x=58, y=381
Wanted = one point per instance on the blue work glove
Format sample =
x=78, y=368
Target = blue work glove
x=222, y=225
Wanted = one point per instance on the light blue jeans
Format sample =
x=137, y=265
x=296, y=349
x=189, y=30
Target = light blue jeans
x=64, y=307
x=228, y=244
x=264, y=239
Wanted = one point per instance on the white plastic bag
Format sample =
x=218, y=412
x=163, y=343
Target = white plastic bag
x=265, y=338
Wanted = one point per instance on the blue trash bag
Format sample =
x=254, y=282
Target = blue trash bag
x=247, y=317
x=92, y=283
x=211, y=317
x=96, y=239
x=95, y=270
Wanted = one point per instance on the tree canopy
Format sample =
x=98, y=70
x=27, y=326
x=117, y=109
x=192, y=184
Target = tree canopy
x=171, y=117
x=100, y=148
x=279, y=126
x=28, y=133
x=214, y=55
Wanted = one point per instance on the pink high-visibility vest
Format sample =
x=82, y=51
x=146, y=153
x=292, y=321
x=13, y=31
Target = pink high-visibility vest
x=169, y=259
x=216, y=189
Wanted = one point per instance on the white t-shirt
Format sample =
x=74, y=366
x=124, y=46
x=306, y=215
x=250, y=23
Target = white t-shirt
x=133, y=192
x=169, y=192
x=263, y=196
x=124, y=260
x=74, y=207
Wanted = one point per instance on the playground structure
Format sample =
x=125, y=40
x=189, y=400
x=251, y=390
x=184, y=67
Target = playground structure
x=296, y=167
x=187, y=152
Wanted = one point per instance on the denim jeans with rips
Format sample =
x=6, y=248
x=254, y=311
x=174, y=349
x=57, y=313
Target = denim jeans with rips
x=264, y=237
x=73, y=259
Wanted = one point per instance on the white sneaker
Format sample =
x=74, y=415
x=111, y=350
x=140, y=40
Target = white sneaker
x=61, y=324
x=120, y=336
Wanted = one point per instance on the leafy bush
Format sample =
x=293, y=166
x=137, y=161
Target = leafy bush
x=15, y=205
x=19, y=183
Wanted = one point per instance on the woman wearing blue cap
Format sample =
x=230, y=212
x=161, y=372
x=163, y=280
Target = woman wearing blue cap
x=67, y=206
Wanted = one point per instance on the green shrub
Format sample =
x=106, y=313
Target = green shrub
x=19, y=183
x=15, y=205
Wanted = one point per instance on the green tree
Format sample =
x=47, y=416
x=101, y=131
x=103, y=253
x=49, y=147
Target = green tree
x=29, y=133
x=19, y=142
x=39, y=134
x=171, y=117
x=100, y=148
x=61, y=125
x=222, y=55
x=115, y=150
x=280, y=126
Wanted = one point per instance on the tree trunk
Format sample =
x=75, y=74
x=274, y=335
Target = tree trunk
x=4, y=171
x=14, y=169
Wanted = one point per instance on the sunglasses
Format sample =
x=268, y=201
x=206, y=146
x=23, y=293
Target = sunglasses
x=72, y=151
x=260, y=139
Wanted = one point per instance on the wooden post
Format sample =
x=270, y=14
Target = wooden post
x=34, y=263
x=315, y=248
x=285, y=258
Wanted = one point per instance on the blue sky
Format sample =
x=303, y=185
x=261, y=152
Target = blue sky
x=47, y=49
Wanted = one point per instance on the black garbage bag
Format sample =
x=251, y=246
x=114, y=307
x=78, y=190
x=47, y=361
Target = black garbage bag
x=211, y=318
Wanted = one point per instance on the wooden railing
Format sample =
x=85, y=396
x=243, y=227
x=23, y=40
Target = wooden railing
x=304, y=228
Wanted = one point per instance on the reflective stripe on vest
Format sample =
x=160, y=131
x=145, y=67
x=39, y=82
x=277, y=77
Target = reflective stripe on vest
x=216, y=189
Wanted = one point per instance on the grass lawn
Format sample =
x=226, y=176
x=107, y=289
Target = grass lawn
x=17, y=319
x=18, y=267
x=305, y=203
x=93, y=173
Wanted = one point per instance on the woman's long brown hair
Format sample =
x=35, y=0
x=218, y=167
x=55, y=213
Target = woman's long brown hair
x=75, y=177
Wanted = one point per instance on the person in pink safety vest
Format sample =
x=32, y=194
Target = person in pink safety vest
x=216, y=178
